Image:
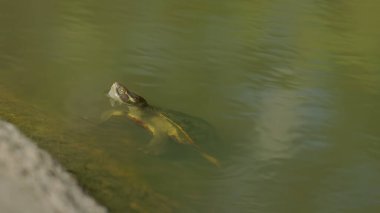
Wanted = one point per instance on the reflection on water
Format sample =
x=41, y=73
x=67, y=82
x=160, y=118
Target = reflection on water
x=291, y=89
x=278, y=123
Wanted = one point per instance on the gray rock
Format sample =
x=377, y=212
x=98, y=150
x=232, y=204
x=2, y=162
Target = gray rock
x=31, y=181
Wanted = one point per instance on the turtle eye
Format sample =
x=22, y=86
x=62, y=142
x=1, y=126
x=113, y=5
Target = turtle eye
x=121, y=90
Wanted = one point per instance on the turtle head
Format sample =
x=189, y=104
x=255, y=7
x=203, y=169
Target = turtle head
x=119, y=94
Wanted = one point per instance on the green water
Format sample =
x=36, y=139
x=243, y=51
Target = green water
x=291, y=88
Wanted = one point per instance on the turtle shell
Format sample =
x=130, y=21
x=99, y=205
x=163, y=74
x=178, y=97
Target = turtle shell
x=199, y=130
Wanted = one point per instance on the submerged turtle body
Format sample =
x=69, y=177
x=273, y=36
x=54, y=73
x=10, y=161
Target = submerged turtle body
x=156, y=121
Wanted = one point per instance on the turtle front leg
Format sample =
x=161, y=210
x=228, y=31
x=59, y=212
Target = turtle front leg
x=110, y=113
x=155, y=146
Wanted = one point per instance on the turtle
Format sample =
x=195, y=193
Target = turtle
x=159, y=123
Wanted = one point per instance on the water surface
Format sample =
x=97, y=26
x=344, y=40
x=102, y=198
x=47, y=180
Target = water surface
x=291, y=89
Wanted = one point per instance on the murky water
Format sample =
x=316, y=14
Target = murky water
x=291, y=88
